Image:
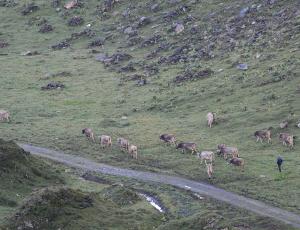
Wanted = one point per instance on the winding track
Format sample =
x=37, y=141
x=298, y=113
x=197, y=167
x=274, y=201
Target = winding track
x=202, y=188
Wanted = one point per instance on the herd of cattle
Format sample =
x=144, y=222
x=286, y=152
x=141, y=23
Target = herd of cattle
x=206, y=156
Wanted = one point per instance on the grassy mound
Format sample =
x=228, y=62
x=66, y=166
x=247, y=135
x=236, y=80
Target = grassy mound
x=20, y=173
x=65, y=208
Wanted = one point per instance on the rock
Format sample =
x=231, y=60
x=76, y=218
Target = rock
x=86, y=33
x=244, y=11
x=130, y=31
x=46, y=28
x=242, y=66
x=55, y=3
x=179, y=28
x=190, y=75
x=53, y=85
x=8, y=3
x=97, y=42
x=60, y=45
x=141, y=82
x=75, y=21
x=155, y=7
x=30, y=53
x=29, y=8
x=151, y=41
x=128, y=68
x=3, y=44
x=144, y=21
x=114, y=59
x=101, y=57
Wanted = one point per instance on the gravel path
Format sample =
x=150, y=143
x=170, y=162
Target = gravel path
x=202, y=188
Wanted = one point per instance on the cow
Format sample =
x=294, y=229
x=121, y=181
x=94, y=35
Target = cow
x=298, y=125
x=186, y=146
x=123, y=143
x=283, y=124
x=209, y=170
x=168, y=138
x=4, y=115
x=263, y=135
x=224, y=150
x=287, y=139
x=205, y=155
x=88, y=133
x=132, y=150
x=105, y=141
x=210, y=119
x=238, y=162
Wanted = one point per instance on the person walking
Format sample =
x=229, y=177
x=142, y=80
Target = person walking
x=279, y=162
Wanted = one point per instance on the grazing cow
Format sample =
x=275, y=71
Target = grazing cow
x=168, y=138
x=283, y=124
x=237, y=162
x=210, y=119
x=263, y=135
x=88, y=133
x=105, y=141
x=123, y=143
x=279, y=162
x=286, y=139
x=4, y=115
x=209, y=169
x=206, y=155
x=225, y=151
x=186, y=146
x=298, y=125
x=132, y=150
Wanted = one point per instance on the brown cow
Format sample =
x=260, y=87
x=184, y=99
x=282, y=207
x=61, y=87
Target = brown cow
x=287, y=139
x=209, y=169
x=187, y=146
x=238, y=162
x=205, y=155
x=132, y=150
x=105, y=141
x=88, y=133
x=223, y=149
x=4, y=115
x=168, y=138
x=123, y=143
x=263, y=135
x=210, y=119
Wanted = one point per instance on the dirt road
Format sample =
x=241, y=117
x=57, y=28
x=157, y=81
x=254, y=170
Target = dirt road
x=202, y=188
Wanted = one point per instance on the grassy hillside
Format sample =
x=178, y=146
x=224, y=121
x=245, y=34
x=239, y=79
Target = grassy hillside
x=188, y=74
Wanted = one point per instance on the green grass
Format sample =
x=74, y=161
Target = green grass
x=93, y=97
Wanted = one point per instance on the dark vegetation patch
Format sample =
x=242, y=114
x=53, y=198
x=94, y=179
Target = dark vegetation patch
x=192, y=75
x=3, y=44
